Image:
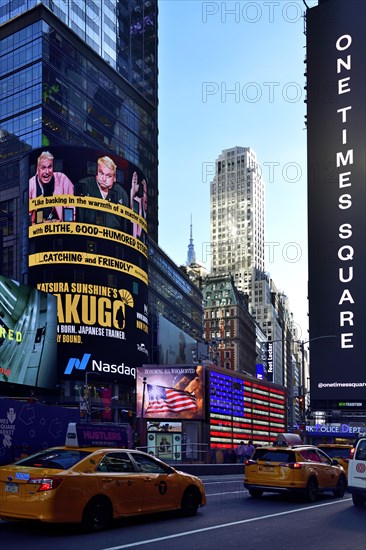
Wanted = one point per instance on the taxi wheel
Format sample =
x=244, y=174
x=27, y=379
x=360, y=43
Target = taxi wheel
x=341, y=487
x=190, y=502
x=97, y=515
x=311, y=490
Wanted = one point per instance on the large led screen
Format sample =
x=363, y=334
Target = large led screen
x=28, y=351
x=171, y=392
x=336, y=128
x=86, y=230
x=241, y=409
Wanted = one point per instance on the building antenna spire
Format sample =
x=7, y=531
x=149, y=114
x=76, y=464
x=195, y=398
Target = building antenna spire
x=191, y=256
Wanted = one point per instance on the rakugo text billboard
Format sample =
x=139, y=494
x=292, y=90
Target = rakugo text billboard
x=87, y=246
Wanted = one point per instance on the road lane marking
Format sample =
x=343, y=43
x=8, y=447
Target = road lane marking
x=241, y=522
x=225, y=493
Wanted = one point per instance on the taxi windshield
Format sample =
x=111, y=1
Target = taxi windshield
x=333, y=452
x=60, y=459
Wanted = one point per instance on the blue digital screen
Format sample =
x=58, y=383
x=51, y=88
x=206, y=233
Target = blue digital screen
x=226, y=394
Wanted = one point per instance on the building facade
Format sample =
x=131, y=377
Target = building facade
x=57, y=90
x=176, y=298
x=229, y=327
x=82, y=76
x=237, y=196
x=62, y=90
x=237, y=217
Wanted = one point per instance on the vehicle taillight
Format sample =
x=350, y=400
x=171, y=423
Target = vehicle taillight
x=46, y=484
x=352, y=453
x=292, y=465
x=249, y=462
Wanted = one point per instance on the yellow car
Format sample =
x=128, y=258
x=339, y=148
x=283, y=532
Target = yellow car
x=341, y=452
x=302, y=469
x=92, y=486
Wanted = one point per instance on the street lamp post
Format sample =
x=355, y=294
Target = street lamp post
x=142, y=430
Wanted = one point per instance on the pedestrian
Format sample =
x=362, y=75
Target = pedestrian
x=239, y=451
x=248, y=449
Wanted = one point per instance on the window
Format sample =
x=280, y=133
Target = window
x=8, y=261
x=361, y=451
x=116, y=463
x=323, y=457
x=310, y=456
x=7, y=217
x=58, y=459
x=148, y=465
x=274, y=456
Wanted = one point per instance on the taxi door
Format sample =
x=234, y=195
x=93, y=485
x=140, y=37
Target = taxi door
x=162, y=490
x=119, y=480
x=328, y=475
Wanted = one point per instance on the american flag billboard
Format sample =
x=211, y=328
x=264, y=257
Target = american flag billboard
x=170, y=391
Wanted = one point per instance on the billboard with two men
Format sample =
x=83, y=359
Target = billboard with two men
x=86, y=233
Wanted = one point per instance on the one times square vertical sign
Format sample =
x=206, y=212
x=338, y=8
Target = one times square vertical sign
x=336, y=127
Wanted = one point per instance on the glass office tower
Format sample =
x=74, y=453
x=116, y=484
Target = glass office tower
x=58, y=88
x=123, y=33
x=66, y=86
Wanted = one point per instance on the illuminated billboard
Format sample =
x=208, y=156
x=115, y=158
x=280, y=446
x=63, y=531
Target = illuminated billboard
x=336, y=123
x=171, y=392
x=242, y=409
x=87, y=232
x=28, y=350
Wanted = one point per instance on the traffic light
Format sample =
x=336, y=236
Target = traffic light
x=301, y=402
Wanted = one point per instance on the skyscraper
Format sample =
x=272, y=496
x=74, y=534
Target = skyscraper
x=76, y=73
x=237, y=217
x=79, y=77
x=123, y=33
x=237, y=238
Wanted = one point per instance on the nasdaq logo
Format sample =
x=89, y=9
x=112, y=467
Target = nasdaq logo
x=77, y=364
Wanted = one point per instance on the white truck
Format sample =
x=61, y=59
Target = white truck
x=357, y=472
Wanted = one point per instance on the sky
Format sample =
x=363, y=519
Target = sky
x=232, y=74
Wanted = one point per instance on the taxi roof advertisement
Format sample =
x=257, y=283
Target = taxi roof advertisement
x=86, y=212
x=170, y=391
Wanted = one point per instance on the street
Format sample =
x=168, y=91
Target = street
x=231, y=519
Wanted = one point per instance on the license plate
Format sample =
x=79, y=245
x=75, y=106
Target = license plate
x=11, y=487
x=268, y=468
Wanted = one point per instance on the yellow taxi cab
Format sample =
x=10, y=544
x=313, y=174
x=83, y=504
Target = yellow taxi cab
x=92, y=486
x=341, y=452
x=293, y=468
